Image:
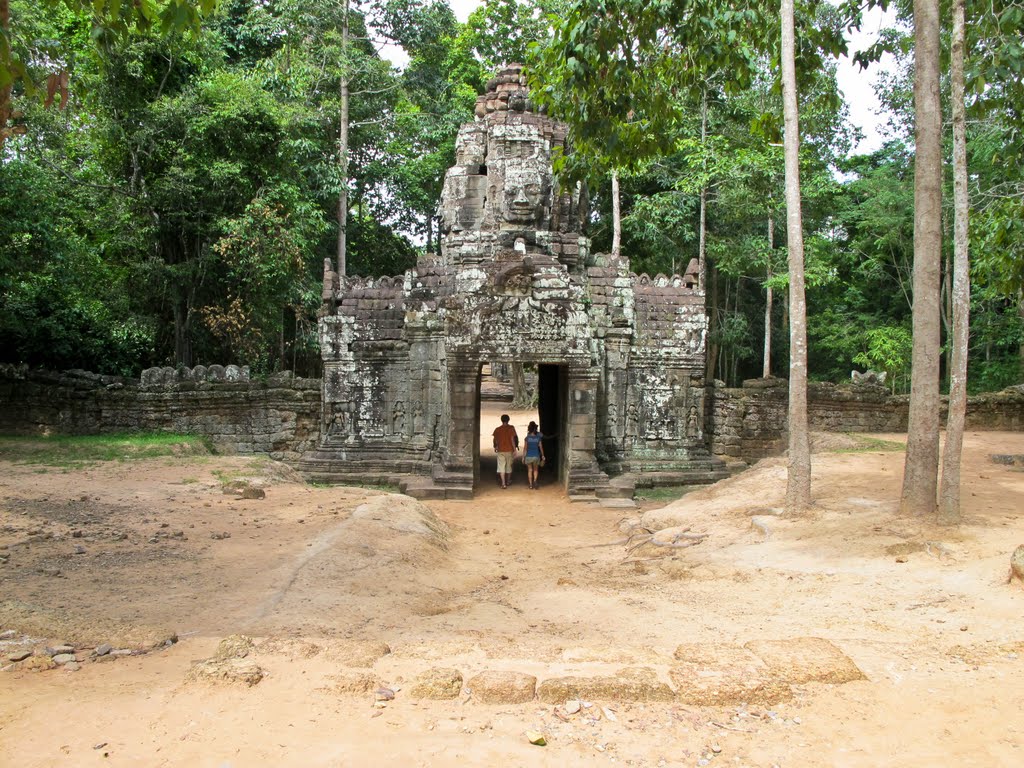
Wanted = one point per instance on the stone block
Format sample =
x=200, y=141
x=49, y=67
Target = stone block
x=806, y=660
x=724, y=675
x=637, y=684
x=494, y=687
x=437, y=683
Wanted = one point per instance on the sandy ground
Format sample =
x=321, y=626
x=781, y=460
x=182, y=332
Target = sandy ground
x=131, y=554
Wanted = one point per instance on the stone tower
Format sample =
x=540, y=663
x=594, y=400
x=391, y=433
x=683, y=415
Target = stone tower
x=620, y=357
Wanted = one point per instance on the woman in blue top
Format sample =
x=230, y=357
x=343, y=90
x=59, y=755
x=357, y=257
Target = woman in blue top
x=533, y=457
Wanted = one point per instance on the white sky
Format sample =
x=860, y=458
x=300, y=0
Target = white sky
x=855, y=84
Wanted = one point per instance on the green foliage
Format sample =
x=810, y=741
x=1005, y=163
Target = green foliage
x=888, y=349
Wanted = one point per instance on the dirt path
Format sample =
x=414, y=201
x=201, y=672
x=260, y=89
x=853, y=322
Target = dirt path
x=524, y=582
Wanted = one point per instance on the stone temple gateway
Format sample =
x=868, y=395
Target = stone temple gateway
x=620, y=357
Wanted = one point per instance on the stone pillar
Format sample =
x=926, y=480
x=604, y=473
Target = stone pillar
x=583, y=475
x=463, y=428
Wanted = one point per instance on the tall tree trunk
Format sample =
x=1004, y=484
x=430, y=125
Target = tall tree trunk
x=949, y=490
x=921, y=469
x=712, y=313
x=182, y=331
x=798, y=486
x=521, y=397
x=702, y=239
x=343, y=150
x=5, y=91
x=766, y=370
x=616, y=215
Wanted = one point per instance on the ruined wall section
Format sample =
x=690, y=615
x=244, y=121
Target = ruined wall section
x=279, y=416
x=749, y=423
x=383, y=372
x=654, y=386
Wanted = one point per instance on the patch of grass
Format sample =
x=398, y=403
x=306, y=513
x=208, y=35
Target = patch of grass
x=73, y=451
x=866, y=443
x=663, y=493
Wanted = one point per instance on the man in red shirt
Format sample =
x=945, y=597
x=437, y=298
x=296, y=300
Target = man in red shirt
x=506, y=443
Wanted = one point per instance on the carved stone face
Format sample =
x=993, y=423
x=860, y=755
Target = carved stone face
x=523, y=196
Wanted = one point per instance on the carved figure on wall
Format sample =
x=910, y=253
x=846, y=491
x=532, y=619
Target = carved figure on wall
x=693, y=423
x=417, y=421
x=398, y=418
x=632, y=422
x=339, y=422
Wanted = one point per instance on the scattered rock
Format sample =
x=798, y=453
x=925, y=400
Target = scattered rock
x=79, y=550
x=384, y=694
x=18, y=655
x=356, y=653
x=253, y=493
x=537, y=738
x=37, y=664
x=72, y=666
x=63, y=658
x=50, y=571
x=62, y=648
x=291, y=647
x=7, y=634
x=438, y=683
x=572, y=707
x=230, y=671
x=104, y=649
x=354, y=683
x=1017, y=564
x=218, y=536
x=494, y=687
x=233, y=647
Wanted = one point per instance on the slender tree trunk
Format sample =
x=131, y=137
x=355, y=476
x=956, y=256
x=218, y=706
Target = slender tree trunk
x=616, y=215
x=5, y=91
x=712, y=312
x=343, y=150
x=921, y=471
x=798, y=486
x=767, y=368
x=946, y=303
x=949, y=490
x=702, y=240
x=520, y=393
x=182, y=332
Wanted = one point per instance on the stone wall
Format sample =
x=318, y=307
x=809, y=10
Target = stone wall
x=279, y=417
x=749, y=422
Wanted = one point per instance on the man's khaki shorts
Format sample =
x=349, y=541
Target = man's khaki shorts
x=505, y=463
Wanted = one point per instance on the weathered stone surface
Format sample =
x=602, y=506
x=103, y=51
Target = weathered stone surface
x=233, y=647
x=1017, y=564
x=403, y=514
x=720, y=675
x=496, y=687
x=231, y=671
x=292, y=648
x=631, y=684
x=37, y=664
x=354, y=683
x=805, y=660
x=357, y=653
x=437, y=683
